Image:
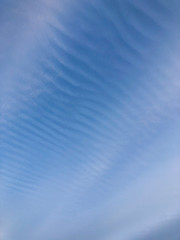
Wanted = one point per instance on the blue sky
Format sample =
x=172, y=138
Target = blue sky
x=90, y=113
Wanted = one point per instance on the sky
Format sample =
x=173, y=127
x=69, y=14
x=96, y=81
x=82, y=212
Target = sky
x=89, y=116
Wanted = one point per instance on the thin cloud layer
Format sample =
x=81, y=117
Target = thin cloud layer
x=89, y=120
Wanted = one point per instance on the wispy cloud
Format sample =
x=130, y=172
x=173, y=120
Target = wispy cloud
x=89, y=119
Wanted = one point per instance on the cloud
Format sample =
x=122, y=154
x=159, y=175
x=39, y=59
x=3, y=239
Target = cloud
x=89, y=114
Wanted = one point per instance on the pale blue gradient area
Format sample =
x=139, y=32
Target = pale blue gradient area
x=90, y=110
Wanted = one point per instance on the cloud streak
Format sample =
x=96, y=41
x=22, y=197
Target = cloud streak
x=89, y=120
